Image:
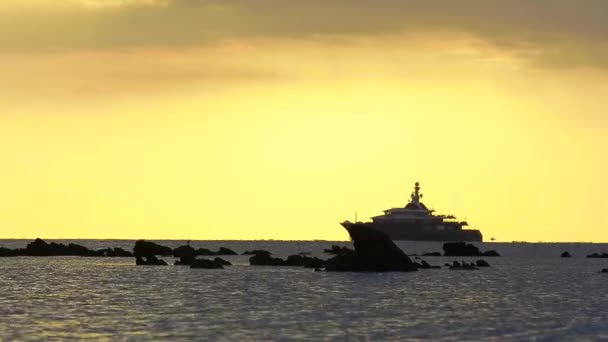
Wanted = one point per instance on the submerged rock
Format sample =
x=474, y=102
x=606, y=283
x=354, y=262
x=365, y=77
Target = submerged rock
x=150, y=260
x=597, y=255
x=604, y=270
x=205, y=263
x=464, y=266
x=566, y=255
x=465, y=249
x=482, y=263
x=222, y=262
x=374, y=252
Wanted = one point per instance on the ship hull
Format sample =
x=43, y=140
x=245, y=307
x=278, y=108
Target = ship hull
x=422, y=233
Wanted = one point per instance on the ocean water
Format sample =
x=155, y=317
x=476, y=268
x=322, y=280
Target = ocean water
x=529, y=293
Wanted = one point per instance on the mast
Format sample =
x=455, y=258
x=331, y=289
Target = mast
x=416, y=195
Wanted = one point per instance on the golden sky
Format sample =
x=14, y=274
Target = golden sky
x=269, y=119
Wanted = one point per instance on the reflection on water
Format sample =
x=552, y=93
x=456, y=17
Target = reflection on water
x=93, y=298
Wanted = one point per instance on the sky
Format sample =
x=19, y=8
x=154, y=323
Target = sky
x=269, y=119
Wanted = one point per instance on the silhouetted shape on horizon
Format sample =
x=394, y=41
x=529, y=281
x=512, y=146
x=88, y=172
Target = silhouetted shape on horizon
x=7, y=252
x=423, y=265
x=114, y=252
x=264, y=258
x=416, y=222
x=465, y=249
x=597, y=255
x=185, y=253
x=374, y=252
x=147, y=248
x=566, y=255
x=221, y=251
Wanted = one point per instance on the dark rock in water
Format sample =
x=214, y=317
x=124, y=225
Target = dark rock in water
x=465, y=249
x=205, y=263
x=222, y=262
x=604, y=270
x=425, y=265
x=114, y=252
x=431, y=254
x=6, y=252
x=146, y=248
x=256, y=251
x=337, y=250
x=566, y=255
x=264, y=258
x=482, y=263
x=39, y=247
x=464, y=266
x=597, y=255
x=305, y=261
x=374, y=252
x=150, y=260
x=185, y=253
x=226, y=251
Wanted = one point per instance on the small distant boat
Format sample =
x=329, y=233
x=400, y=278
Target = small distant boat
x=416, y=222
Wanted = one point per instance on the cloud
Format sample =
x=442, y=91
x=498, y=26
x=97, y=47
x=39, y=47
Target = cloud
x=550, y=33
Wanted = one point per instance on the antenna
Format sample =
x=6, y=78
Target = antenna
x=355, y=216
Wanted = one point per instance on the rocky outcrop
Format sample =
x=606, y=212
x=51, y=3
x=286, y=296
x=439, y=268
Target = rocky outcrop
x=147, y=248
x=604, y=270
x=304, y=261
x=255, y=251
x=462, y=266
x=205, y=263
x=222, y=262
x=264, y=258
x=6, y=252
x=114, y=252
x=482, y=263
x=465, y=249
x=150, y=260
x=423, y=265
x=221, y=251
x=597, y=255
x=186, y=255
x=374, y=252
x=337, y=250
x=40, y=247
x=566, y=255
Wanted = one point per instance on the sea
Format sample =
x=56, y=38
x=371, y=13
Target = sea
x=528, y=293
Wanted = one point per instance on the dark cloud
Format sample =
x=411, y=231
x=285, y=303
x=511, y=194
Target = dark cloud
x=555, y=33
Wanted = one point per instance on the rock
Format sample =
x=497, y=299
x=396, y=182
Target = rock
x=222, y=262
x=490, y=253
x=150, y=260
x=597, y=255
x=604, y=270
x=185, y=253
x=374, y=252
x=464, y=266
x=39, y=247
x=264, y=258
x=114, y=252
x=255, y=251
x=303, y=260
x=465, y=249
x=431, y=254
x=566, y=255
x=482, y=263
x=425, y=265
x=205, y=263
x=337, y=250
x=226, y=251
x=146, y=248
x=6, y=252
